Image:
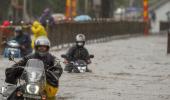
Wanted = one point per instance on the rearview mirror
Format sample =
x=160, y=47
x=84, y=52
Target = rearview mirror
x=91, y=56
x=63, y=56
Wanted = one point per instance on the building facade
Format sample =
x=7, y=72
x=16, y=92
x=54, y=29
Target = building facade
x=161, y=10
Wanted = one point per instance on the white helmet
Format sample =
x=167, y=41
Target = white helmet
x=18, y=31
x=80, y=40
x=18, y=28
x=41, y=43
x=80, y=37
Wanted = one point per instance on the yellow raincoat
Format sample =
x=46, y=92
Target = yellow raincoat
x=38, y=30
x=51, y=90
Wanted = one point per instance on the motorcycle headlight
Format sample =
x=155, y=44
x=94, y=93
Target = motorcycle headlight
x=32, y=88
x=76, y=64
x=82, y=69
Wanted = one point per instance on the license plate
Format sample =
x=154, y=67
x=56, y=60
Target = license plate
x=32, y=96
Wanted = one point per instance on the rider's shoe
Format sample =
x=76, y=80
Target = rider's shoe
x=88, y=70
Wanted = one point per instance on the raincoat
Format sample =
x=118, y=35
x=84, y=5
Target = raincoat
x=46, y=15
x=5, y=33
x=38, y=30
x=5, y=29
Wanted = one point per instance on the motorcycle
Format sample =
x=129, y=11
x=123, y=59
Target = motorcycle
x=78, y=66
x=12, y=47
x=31, y=84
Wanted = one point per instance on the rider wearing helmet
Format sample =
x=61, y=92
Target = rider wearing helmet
x=24, y=41
x=42, y=46
x=77, y=52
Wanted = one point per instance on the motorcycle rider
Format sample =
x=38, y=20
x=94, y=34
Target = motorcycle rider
x=24, y=41
x=37, y=30
x=5, y=32
x=77, y=52
x=47, y=15
x=42, y=46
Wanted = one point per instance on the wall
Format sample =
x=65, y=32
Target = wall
x=64, y=33
x=161, y=16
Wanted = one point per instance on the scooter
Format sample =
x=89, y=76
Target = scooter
x=12, y=47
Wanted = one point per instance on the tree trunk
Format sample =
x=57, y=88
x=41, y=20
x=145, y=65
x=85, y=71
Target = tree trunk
x=107, y=8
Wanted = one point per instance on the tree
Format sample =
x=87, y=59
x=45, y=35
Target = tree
x=4, y=5
x=107, y=8
x=57, y=6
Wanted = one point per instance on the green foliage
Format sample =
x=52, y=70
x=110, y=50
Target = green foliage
x=57, y=6
x=4, y=7
x=121, y=3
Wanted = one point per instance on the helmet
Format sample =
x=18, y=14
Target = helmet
x=36, y=24
x=80, y=40
x=80, y=37
x=18, y=30
x=42, y=45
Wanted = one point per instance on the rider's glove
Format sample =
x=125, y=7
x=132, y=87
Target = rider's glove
x=66, y=61
x=88, y=61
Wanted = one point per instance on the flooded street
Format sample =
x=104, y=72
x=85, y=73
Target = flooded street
x=126, y=69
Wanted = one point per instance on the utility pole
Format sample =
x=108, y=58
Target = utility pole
x=146, y=17
x=74, y=8
x=24, y=9
x=86, y=6
x=16, y=11
x=107, y=8
x=68, y=8
x=30, y=8
x=25, y=14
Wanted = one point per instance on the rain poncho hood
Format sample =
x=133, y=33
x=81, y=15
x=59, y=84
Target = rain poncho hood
x=38, y=30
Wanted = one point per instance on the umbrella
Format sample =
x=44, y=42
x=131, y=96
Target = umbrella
x=82, y=18
x=133, y=9
x=58, y=17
